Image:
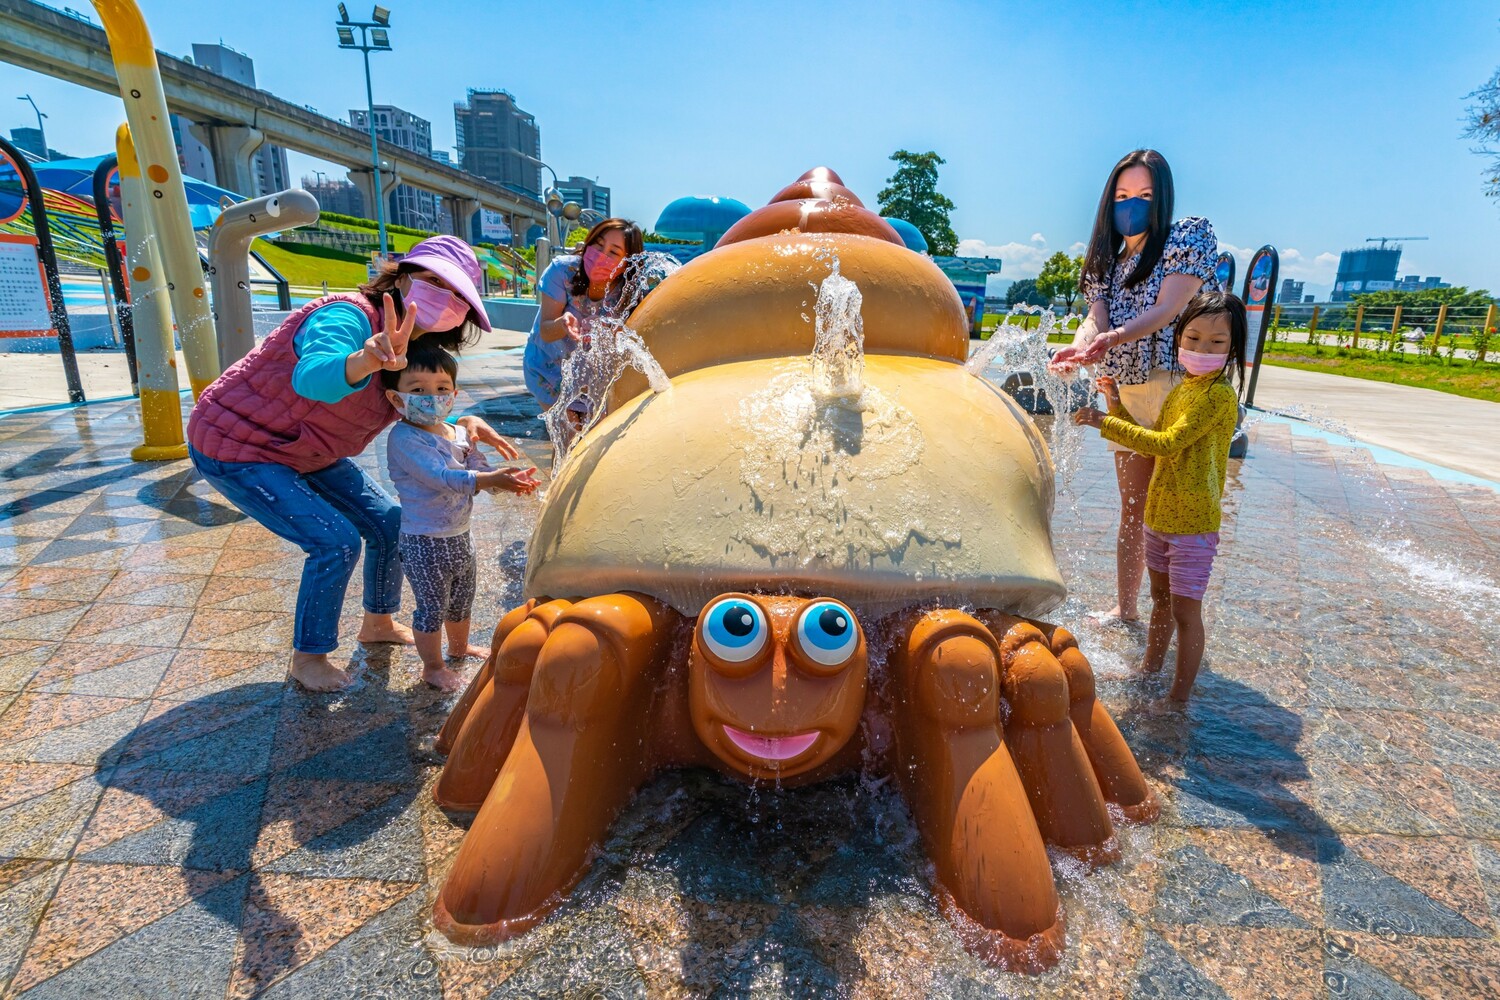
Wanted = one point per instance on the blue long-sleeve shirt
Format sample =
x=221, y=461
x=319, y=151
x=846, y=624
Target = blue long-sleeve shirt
x=435, y=478
x=323, y=344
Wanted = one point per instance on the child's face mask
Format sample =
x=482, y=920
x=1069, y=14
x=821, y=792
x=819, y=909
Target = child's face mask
x=425, y=409
x=1199, y=363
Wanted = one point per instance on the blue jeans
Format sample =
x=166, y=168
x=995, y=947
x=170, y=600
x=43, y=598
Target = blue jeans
x=325, y=514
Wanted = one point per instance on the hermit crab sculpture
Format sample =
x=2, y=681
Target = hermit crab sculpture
x=793, y=562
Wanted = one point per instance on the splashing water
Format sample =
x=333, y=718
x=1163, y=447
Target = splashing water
x=1017, y=354
x=590, y=371
x=839, y=347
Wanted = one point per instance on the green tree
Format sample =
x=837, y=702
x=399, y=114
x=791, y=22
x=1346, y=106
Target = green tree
x=1483, y=125
x=1059, y=278
x=1429, y=297
x=1024, y=292
x=913, y=196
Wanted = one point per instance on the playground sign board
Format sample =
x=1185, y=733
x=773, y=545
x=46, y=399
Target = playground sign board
x=25, y=310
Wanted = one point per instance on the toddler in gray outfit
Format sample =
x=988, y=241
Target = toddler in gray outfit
x=437, y=470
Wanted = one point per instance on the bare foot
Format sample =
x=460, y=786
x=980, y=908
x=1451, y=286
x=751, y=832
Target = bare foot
x=315, y=673
x=442, y=678
x=383, y=628
x=1115, y=615
x=1165, y=706
x=477, y=652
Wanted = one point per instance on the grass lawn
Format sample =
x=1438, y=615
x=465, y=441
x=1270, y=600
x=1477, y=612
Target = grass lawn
x=307, y=266
x=1461, y=378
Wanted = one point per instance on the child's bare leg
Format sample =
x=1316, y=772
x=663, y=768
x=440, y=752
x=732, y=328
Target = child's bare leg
x=1188, y=615
x=458, y=641
x=434, y=670
x=1159, y=636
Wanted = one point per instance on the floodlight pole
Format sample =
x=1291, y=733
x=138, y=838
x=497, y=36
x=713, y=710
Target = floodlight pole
x=365, y=47
x=374, y=150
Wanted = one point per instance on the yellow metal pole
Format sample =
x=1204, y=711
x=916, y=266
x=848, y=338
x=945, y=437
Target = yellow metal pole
x=161, y=403
x=1359, y=322
x=1441, y=320
x=146, y=111
x=1489, y=323
x=1312, y=326
x=1396, y=326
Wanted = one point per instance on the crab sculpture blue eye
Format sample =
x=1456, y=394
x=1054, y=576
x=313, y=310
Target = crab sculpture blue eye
x=735, y=629
x=827, y=633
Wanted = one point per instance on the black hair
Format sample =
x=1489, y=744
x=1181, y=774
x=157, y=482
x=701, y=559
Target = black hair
x=1106, y=241
x=423, y=355
x=1216, y=304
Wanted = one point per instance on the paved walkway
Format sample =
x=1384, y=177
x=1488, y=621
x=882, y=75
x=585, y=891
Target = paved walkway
x=1439, y=427
x=175, y=820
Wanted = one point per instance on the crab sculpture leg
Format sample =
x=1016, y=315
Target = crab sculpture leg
x=987, y=793
x=576, y=754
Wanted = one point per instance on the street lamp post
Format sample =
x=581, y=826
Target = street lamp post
x=374, y=36
x=549, y=198
x=46, y=153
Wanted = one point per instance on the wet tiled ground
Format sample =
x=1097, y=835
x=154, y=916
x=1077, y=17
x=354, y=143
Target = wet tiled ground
x=176, y=821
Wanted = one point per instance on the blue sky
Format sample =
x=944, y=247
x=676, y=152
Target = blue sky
x=1307, y=125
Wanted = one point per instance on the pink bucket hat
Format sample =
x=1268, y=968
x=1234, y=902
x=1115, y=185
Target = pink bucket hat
x=451, y=259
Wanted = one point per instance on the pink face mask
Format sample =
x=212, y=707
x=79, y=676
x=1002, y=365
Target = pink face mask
x=1198, y=363
x=598, y=265
x=436, y=308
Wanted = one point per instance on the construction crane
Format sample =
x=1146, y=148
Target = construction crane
x=1383, y=240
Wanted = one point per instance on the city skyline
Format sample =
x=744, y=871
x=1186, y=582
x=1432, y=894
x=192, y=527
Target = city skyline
x=1028, y=139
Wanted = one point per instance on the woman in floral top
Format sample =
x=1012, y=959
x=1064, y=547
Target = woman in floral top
x=1141, y=270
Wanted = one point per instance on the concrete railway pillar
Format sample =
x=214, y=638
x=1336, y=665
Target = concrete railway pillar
x=364, y=179
x=462, y=211
x=233, y=148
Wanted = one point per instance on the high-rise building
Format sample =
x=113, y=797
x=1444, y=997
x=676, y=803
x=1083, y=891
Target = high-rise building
x=1370, y=269
x=408, y=206
x=588, y=193
x=495, y=140
x=339, y=197
x=268, y=164
x=29, y=140
x=1291, y=291
x=1417, y=283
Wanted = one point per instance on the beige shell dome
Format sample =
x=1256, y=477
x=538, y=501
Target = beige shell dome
x=934, y=486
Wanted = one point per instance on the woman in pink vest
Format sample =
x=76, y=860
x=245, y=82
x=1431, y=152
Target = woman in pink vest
x=276, y=434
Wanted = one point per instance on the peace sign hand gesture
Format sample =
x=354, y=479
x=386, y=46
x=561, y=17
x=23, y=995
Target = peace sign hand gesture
x=387, y=349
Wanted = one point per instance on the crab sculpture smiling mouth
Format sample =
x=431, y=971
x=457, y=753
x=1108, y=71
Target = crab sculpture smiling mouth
x=774, y=749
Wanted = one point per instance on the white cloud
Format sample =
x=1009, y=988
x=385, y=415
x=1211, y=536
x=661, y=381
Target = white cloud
x=1318, y=269
x=1039, y=238
x=1021, y=260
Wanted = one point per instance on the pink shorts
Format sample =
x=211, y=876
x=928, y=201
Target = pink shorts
x=1186, y=559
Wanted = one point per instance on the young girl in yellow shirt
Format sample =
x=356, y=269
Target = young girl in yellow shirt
x=1191, y=444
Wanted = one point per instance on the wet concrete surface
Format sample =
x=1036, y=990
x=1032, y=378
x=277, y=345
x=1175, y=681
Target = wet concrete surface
x=176, y=820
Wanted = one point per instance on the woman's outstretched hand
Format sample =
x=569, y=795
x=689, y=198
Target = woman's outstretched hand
x=1065, y=360
x=575, y=329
